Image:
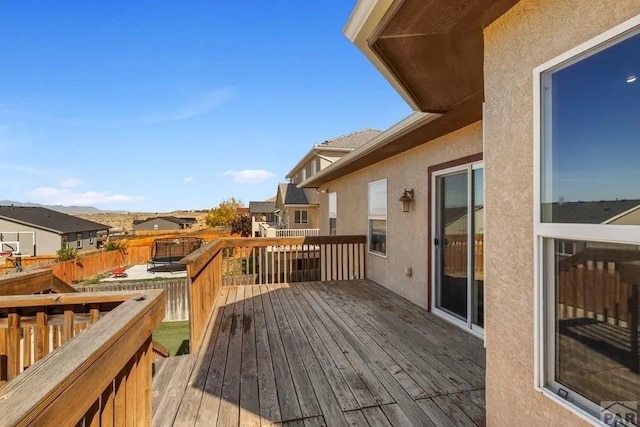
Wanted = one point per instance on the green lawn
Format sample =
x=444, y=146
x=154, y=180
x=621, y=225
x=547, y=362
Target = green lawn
x=174, y=336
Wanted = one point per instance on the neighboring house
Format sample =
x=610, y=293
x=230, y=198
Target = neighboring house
x=559, y=323
x=261, y=213
x=40, y=231
x=297, y=208
x=163, y=223
x=328, y=152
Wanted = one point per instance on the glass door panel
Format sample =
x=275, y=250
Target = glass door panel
x=453, y=232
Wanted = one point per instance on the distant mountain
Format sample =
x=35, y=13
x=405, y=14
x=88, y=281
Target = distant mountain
x=63, y=209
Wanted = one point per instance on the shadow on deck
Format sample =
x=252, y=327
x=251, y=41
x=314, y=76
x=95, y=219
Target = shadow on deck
x=337, y=353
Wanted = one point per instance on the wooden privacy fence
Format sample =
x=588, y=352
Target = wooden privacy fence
x=176, y=291
x=240, y=261
x=101, y=376
x=85, y=267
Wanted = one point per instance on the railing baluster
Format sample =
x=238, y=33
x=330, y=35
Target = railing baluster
x=67, y=331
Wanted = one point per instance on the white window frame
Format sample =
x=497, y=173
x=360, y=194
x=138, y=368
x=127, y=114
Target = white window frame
x=544, y=232
x=375, y=218
x=302, y=221
x=79, y=240
x=314, y=166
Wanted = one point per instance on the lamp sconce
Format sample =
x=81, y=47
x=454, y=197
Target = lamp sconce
x=406, y=199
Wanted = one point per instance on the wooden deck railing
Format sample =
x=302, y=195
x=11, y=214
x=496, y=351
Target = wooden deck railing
x=32, y=282
x=238, y=261
x=100, y=377
x=591, y=285
x=456, y=255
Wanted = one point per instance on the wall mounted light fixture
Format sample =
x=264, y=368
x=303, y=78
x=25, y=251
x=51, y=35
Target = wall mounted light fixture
x=406, y=199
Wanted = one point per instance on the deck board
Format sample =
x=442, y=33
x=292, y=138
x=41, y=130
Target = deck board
x=337, y=353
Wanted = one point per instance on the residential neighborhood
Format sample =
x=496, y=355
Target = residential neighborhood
x=32, y=231
x=474, y=262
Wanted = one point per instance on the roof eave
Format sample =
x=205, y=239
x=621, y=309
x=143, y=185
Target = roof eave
x=314, y=151
x=415, y=120
x=361, y=26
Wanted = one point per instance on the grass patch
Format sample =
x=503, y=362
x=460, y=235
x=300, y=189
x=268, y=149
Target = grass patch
x=174, y=336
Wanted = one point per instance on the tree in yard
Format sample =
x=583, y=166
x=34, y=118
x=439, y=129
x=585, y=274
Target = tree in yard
x=242, y=226
x=224, y=214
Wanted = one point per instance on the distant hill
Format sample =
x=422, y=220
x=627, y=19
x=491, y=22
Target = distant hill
x=63, y=209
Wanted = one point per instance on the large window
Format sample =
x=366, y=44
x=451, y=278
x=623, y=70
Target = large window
x=378, y=217
x=587, y=226
x=333, y=213
x=301, y=217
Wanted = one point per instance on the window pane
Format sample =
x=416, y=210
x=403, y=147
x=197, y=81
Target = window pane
x=378, y=199
x=333, y=226
x=378, y=236
x=591, y=145
x=333, y=205
x=595, y=331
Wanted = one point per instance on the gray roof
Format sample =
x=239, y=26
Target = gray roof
x=292, y=195
x=590, y=212
x=173, y=219
x=262, y=207
x=48, y=219
x=351, y=140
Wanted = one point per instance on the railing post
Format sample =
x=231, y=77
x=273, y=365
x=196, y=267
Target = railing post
x=13, y=344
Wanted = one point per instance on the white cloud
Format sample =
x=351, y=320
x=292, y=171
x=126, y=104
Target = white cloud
x=188, y=179
x=66, y=196
x=70, y=183
x=249, y=175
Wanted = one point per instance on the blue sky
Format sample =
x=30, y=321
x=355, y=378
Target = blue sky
x=596, y=126
x=161, y=105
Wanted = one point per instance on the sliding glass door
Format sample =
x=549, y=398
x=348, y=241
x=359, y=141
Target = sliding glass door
x=458, y=231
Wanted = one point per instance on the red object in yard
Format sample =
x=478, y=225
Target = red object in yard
x=119, y=272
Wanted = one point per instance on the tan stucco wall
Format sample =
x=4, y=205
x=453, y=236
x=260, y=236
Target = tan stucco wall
x=531, y=33
x=407, y=244
x=289, y=217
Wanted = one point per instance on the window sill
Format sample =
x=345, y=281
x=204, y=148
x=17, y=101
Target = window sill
x=574, y=409
x=378, y=254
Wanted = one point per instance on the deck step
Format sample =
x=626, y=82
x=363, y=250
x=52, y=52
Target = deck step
x=169, y=383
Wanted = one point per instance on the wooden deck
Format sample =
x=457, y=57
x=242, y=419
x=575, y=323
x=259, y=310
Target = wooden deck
x=337, y=353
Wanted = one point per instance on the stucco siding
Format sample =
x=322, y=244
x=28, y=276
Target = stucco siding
x=46, y=242
x=531, y=33
x=289, y=217
x=407, y=232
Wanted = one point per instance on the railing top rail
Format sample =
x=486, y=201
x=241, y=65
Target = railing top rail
x=60, y=386
x=18, y=301
x=241, y=242
x=28, y=282
x=600, y=254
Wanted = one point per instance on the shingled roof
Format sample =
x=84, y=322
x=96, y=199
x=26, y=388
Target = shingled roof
x=262, y=207
x=292, y=195
x=351, y=140
x=48, y=219
x=590, y=212
x=175, y=220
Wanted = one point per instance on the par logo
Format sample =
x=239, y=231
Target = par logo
x=624, y=413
